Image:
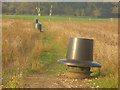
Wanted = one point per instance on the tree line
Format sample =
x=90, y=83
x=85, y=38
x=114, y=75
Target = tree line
x=85, y=9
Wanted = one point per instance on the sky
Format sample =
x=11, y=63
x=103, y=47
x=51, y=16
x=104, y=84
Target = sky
x=59, y=0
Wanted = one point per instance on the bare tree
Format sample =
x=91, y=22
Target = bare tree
x=50, y=14
x=38, y=11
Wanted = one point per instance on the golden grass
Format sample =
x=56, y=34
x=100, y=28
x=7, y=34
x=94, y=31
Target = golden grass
x=21, y=41
x=105, y=35
x=17, y=41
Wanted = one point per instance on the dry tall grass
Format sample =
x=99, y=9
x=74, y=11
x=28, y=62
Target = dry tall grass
x=105, y=35
x=20, y=42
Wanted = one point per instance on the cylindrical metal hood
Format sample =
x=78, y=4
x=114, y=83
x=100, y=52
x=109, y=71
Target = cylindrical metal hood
x=80, y=53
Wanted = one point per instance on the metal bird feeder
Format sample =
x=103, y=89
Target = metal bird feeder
x=79, y=57
x=38, y=25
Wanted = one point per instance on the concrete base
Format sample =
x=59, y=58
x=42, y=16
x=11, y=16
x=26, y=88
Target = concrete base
x=78, y=72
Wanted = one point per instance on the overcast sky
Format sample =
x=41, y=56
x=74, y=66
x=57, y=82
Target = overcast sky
x=59, y=0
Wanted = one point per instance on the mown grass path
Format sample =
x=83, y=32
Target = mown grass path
x=51, y=74
x=49, y=56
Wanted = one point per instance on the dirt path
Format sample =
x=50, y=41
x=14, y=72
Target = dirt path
x=46, y=58
x=52, y=81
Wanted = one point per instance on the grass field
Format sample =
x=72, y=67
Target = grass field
x=27, y=51
x=55, y=18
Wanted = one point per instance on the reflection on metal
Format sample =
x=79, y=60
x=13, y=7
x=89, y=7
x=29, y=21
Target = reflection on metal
x=80, y=55
x=38, y=25
x=36, y=20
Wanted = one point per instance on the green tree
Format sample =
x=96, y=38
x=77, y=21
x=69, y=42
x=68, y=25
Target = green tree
x=92, y=9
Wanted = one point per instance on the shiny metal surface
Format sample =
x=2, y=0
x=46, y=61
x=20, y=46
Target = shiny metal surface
x=79, y=63
x=36, y=20
x=80, y=53
x=38, y=26
x=80, y=49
